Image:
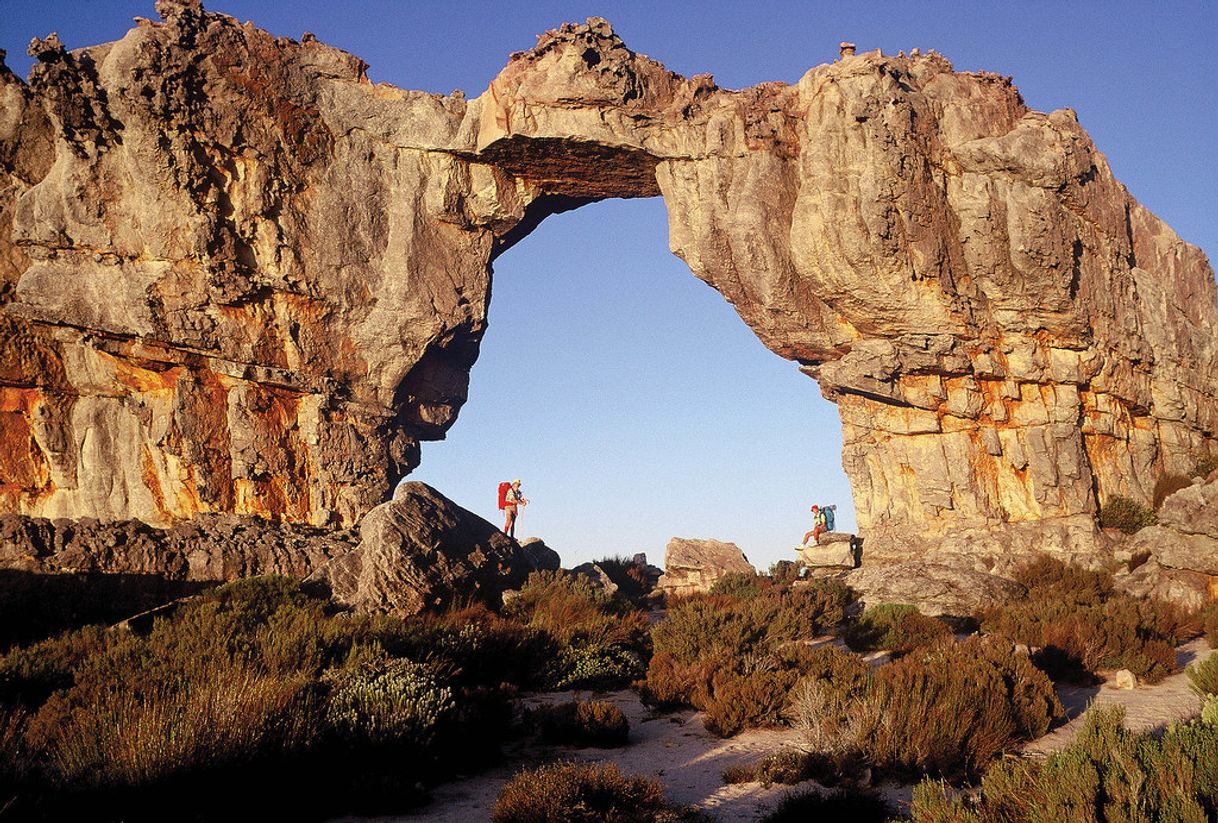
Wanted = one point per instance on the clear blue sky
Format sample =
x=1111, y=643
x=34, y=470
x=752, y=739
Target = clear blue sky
x=626, y=394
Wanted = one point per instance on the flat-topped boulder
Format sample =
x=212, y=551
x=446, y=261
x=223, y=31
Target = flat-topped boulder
x=834, y=549
x=694, y=565
x=420, y=551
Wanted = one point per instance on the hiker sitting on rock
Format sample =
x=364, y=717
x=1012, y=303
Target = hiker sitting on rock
x=510, y=499
x=818, y=525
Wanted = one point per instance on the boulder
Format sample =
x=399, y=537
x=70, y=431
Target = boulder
x=694, y=565
x=421, y=550
x=600, y=579
x=1124, y=679
x=936, y=589
x=835, y=549
x=541, y=557
x=1189, y=589
x=1183, y=550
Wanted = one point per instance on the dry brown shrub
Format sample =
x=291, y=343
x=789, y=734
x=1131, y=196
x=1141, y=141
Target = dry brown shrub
x=582, y=793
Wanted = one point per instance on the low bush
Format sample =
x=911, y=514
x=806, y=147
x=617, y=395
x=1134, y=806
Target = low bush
x=599, y=640
x=630, y=578
x=947, y=710
x=1209, y=623
x=582, y=723
x=1107, y=773
x=260, y=687
x=1080, y=625
x=785, y=572
x=843, y=804
x=738, y=656
x=1204, y=675
x=1126, y=514
x=895, y=628
x=582, y=793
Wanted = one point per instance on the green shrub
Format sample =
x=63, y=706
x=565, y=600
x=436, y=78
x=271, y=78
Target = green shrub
x=1080, y=625
x=581, y=793
x=853, y=805
x=1125, y=514
x=582, y=723
x=1107, y=773
x=738, y=584
x=896, y=628
x=387, y=703
x=594, y=667
x=630, y=578
x=1204, y=675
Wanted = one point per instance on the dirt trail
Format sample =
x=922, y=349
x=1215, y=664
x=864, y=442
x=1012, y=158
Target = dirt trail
x=689, y=761
x=1147, y=708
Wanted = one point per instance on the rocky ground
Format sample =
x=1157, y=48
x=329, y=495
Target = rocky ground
x=677, y=749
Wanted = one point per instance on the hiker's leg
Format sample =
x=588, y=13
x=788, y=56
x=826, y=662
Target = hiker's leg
x=806, y=536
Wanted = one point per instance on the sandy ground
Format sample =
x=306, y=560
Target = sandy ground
x=1147, y=708
x=689, y=761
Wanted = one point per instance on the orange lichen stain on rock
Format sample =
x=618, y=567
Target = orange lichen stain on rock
x=151, y=479
x=13, y=399
x=141, y=379
x=254, y=332
x=22, y=463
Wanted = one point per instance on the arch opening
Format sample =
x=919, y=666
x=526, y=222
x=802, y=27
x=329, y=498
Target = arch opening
x=634, y=403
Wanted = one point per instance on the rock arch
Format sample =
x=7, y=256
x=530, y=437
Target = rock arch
x=237, y=276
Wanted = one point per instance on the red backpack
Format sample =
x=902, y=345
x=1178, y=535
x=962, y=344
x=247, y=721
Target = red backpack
x=503, y=490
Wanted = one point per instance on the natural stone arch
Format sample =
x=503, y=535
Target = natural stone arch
x=240, y=277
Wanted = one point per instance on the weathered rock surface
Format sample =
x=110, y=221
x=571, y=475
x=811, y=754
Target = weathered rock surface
x=834, y=549
x=936, y=589
x=209, y=549
x=1182, y=547
x=237, y=276
x=694, y=565
x=541, y=557
x=61, y=574
x=421, y=550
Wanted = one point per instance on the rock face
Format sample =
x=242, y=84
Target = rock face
x=236, y=276
x=936, y=589
x=1182, y=549
x=209, y=549
x=694, y=565
x=60, y=574
x=421, y=550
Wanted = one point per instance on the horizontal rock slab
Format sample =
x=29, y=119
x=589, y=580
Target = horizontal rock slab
x=834, y=549
x=694, y=565
x=936, y=589
x=421, y=551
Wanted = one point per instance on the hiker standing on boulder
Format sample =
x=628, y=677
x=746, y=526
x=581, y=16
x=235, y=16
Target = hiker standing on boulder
x=510, y=499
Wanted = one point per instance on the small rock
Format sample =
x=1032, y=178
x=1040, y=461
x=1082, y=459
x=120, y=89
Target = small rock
x=1124, y=679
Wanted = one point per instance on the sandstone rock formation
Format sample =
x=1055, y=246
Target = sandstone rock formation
x=421, y=550
x=694, y=565
x=237, y=276
x=1180, y=551
x=832, y=550
x=60, y=574
x=936, y=589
